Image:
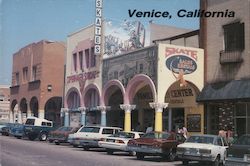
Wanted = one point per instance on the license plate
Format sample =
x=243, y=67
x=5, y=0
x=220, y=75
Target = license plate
x=110, y=140
x=144, y=147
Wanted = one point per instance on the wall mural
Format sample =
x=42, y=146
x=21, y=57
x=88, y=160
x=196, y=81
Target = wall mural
x=124, y=36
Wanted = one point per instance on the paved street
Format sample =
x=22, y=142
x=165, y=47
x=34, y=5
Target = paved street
x=15, y=152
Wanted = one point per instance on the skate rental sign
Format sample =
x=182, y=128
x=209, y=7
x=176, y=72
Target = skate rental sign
x=181, y=60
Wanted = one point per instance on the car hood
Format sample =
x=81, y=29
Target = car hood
x=195, y=145
x=238, y=150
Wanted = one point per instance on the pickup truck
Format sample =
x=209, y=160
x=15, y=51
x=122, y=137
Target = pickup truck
x=37, y=128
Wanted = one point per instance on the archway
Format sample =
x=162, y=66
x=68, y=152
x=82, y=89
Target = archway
x=52, y=110
x=91, y=98
x=115, y=115
x=23, y=109
x=183, y=108
x=73, y=103
x=140, y=92
x=14, y=111
x=34, y=106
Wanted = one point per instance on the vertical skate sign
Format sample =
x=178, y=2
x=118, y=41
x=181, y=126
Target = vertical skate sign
x=98, y=26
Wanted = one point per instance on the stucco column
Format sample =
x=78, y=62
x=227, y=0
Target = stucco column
x=29, y=112
x=83, y=115
x=66, y=117
x=103, y=110
x=41, y=114
x=158, y=114
x=20, y=118
x=169, y=119
x=127, y=122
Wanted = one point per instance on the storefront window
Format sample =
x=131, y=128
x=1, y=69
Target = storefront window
x=240, y=109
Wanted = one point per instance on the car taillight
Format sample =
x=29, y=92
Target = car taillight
x=119, y=141
x=156, y=145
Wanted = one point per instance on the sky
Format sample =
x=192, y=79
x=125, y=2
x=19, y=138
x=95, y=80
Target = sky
x=26, y=21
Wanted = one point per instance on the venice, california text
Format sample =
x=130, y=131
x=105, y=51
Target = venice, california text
x=181, y=13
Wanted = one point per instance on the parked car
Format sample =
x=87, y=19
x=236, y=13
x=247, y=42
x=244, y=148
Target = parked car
x=88, y=136
x=61, y=134
x=18, y=131
x=1, y=126
x=156, y=144
x=203, y=148
x=37, y=128
x=6, y=130
x=118, y=141
x=239, y=153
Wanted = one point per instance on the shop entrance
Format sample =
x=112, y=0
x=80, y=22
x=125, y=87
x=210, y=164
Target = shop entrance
x=178, y=117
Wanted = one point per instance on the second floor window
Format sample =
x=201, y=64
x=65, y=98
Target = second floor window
x=34, y=73
x=93, y=58
x=81, y=60
x=75, y=61
x=87, y=58
x=25, y=74
x=17, y=79
x=234, y=36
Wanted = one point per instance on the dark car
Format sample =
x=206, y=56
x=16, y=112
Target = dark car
x=156, y=143
x=61, y=134
x=6, y=130
x=239, y=153
x=18, y=131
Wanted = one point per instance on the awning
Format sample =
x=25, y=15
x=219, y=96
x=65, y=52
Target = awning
x=233, y=90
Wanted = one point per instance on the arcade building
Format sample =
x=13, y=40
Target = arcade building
x=156, y=85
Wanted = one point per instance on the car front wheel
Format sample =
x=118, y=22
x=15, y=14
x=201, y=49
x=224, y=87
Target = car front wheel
x=139, y=156
x=184, y=162
x=216, y=161
x=43, y=137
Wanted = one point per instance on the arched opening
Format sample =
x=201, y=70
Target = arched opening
x=140, y=92
x=143, y=113
x=115, y=115
x=23, y=109
x=14, y=111
x=52, y=110
x=182, y=108
x=34, y=106
x=73, y=102
x=91, y=101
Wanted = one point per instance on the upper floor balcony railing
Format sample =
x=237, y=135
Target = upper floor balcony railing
x=227, y=57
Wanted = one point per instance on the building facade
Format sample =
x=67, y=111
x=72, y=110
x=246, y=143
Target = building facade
x=4, y=103
x=155, y=85
x=37, y=81
x=226, y=94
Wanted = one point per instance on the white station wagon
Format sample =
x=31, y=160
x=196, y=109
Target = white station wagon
x=88, y=136
x=203, y=148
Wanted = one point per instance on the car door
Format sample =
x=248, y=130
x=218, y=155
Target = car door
x=221, y=147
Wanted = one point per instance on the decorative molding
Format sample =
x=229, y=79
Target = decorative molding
x=127, y=107
x=158, y=106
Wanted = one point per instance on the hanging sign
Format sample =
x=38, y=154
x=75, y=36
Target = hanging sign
x=98, y=26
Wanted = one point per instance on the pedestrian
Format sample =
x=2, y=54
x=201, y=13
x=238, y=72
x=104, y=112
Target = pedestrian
x=183, y=130
x=222, y=132
x=149, y=128
x=229, y=135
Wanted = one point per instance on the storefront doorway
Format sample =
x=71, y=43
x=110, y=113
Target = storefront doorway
x=178, y=117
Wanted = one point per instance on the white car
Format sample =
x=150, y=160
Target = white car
x=88, y=136
x=118, y=141
x=203, y=148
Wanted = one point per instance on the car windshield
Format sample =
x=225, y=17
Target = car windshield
x=243, y=140
x=30, y=122
x=90, y=129
x=64, y=129
x=201, y=139
x=156, y=135
x=124, y=135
